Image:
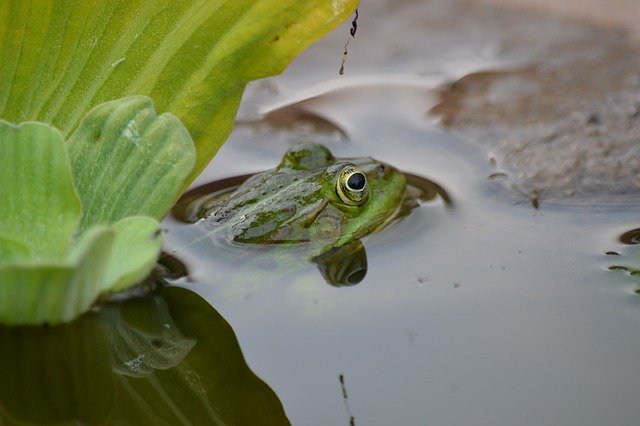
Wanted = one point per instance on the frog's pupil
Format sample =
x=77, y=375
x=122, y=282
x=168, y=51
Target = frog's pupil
x=356, y=181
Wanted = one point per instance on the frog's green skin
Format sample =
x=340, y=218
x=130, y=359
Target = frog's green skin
x=298, y=201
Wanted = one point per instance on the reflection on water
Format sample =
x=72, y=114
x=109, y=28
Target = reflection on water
x=169, y=268
x=56, y=374
x=343, y=266
x=283, y=123
x=143, y=337
x=166, y=358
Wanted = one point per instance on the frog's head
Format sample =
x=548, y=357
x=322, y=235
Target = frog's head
x=363, y=195
x=311, y=196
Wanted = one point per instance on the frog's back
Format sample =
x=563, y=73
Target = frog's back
x=255, y=214
x=311, y=196
x=273, y=206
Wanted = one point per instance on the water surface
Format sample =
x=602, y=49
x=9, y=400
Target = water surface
x=497, y=311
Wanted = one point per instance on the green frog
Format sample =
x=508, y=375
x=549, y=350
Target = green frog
x=315, y=198
x=312, y=202
x=311, y=196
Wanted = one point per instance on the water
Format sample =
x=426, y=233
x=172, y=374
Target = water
x=497, y=310
x=488, y=313
x=492, y=312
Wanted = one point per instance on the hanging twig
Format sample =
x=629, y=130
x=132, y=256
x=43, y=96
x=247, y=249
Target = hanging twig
x=352, y=31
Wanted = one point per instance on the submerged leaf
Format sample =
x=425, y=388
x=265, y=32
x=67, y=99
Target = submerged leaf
x=39, y=208
x=194, y=58
x=129, y=161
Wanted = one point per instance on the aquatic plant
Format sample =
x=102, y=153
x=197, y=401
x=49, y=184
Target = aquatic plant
x=79, y=218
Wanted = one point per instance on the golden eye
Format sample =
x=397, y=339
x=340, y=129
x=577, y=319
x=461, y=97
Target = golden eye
x=352, y=186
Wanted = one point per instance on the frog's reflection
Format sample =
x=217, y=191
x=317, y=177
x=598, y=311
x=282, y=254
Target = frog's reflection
x=345, y=264
x=165, y=358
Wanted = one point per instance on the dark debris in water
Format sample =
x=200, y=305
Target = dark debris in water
x=295, y=118
x=631, y=237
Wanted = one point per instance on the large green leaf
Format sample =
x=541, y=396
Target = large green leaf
x=39, y=208
x=129, y=161
x=58, y=59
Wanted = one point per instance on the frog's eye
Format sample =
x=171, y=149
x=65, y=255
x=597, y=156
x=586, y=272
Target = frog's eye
x=352, y=186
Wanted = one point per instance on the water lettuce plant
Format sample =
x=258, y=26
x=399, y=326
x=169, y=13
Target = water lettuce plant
x=83, y=183
x=80, y=217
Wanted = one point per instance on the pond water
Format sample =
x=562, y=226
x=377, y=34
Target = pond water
x=500, y=310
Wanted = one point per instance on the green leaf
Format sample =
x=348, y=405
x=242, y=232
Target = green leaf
x=136, y=247
x=12, y=251
x=59, y=59
x=129, y=161
x=41, y=293
x=39, y=207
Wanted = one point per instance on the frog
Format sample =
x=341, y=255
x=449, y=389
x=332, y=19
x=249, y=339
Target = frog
x=315, y=199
